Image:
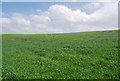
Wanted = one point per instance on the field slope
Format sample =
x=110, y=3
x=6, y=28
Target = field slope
x=86, y=55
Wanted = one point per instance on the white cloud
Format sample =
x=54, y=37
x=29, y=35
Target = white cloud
x=20, y=19
x=40, y=19
x=1, y=14
x=106, y=16
x=60, y=18
x=63, y=14
x=5, y=20
x=92, y=6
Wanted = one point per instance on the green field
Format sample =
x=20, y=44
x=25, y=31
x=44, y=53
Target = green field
x=85, y=55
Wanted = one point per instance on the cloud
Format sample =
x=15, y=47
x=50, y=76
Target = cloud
x=20, y=21
x=5, y=20
x=60, y=19
x=91, y=7
x=107, y=16
x=64, y=14
x=1, y=14
x=40, y=19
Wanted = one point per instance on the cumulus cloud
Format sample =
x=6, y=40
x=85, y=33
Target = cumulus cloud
x=60, y=19
x=20, y=21
x=1, y=14
x=5, y=20
x=105, y=17
x=40, y=19
x=65, y=14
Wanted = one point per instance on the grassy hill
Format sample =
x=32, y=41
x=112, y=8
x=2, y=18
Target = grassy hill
x=86, y=55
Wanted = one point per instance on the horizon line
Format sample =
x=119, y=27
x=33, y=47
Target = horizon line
x=63, y=32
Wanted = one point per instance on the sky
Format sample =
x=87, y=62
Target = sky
x=59, y=0
x=58, y=17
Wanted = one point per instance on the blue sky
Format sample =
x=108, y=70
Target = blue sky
x=59, y=0
x=29, y=7
x=0, y=7
x=57, y=17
